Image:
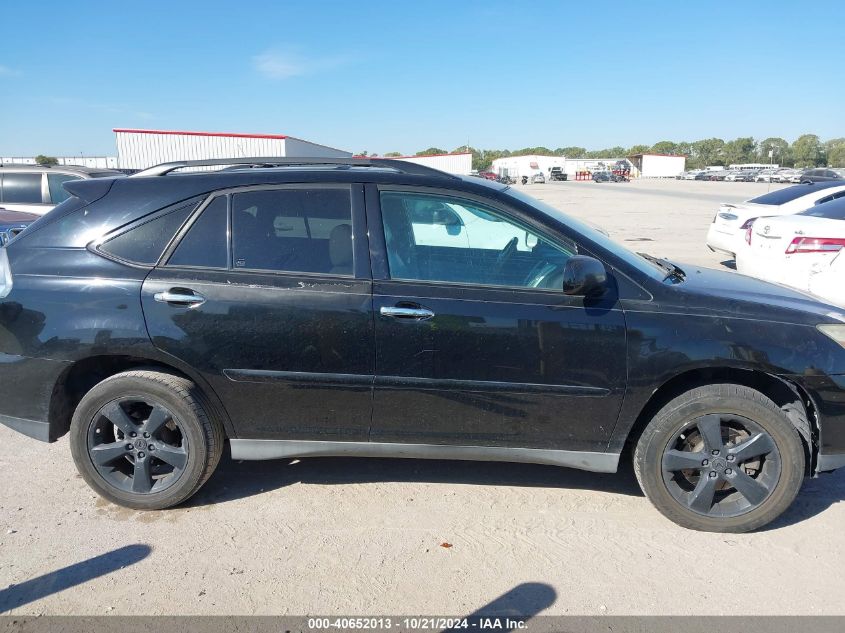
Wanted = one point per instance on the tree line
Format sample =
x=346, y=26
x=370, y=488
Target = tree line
x=806, y=151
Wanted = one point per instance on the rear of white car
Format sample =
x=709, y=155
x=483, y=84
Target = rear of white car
x=829, y=283
x=799, y=250
x=728, y=230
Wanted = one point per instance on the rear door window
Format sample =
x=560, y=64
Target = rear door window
x=305, y=230
x=21, y=188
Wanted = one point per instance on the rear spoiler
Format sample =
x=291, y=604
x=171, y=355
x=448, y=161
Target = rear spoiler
x=88, y=190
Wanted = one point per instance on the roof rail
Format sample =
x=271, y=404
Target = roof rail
x=402, y=166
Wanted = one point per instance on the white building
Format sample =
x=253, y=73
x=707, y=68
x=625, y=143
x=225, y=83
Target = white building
x=452, y=163
x=139, y=149
x=94, y=162
x=658, y=165
x=575, y=165
x=518, y=166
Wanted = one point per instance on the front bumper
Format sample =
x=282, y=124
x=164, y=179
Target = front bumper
x=721, y=241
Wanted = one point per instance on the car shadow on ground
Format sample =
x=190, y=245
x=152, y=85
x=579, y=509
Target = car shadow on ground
x=816, y=496
x=238, y=479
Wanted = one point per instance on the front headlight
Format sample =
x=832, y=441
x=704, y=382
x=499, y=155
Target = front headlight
x=834, y=331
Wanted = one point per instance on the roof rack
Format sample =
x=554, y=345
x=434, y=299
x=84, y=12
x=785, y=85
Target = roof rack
x=402, y=166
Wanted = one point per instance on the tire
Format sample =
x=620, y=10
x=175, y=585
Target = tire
x=160, y=468
x=673, y=456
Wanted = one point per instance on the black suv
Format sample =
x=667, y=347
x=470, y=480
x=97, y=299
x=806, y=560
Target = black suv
x=375, y=307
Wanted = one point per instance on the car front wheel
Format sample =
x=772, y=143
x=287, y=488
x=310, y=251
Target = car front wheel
x=720, y=458
x=145, y=440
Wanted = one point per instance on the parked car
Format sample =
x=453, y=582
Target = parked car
x=538, y=179
x=12, y=223
x=797, y=176
x=557, y=173
x=301, y=311
x=822, y=175
x=829, y=281
x=703, y=175
x=691, y=175
x=608, y=176
x=727, y=232
x=791, y=249
x=488, y=175
x=37, y=189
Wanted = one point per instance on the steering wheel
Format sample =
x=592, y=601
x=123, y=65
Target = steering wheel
x=505, y=255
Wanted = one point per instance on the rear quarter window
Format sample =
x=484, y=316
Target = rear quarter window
x=144, y=243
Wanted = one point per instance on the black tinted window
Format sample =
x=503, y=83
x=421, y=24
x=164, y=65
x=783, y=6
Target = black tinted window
x=789, y=194
x=205, y=243
x=57, y=192
x=20, y=188
x=145, y=243
x=296, y=230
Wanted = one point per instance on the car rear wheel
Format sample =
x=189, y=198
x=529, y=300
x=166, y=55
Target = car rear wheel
x=143, y=439
x=720, y=458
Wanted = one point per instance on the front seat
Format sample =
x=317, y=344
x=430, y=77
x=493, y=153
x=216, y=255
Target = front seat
x=340, y=250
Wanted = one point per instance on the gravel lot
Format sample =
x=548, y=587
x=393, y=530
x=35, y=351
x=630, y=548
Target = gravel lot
x=367, y=537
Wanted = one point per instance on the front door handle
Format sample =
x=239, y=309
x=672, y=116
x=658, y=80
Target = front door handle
x=179, y=297
x=406, y=313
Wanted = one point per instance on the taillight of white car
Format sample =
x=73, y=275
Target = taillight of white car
x=5, y=274
x=748, y=226
x=815, y=245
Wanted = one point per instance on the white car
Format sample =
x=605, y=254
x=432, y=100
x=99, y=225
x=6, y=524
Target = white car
x=727, y=232
x=795, y=250
x=829, y=282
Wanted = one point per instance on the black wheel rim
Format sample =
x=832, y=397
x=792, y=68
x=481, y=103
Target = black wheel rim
x=721, y=465
x=136, y=445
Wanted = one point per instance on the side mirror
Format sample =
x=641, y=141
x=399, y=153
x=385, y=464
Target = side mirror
x=584, y=276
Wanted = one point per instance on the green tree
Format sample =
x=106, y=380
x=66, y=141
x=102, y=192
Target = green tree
x=779, y=148
x=740, y=150
x=392, y=154
x=610, y=152
x=432, y=150
x=708, y=151
x=638, y=149
x=835, y=151
x=808, y=151
x=46, y=161
x=665, y=147
x=571, y=152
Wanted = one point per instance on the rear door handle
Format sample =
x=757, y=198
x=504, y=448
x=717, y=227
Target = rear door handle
x=179, y=297
x=406, y=313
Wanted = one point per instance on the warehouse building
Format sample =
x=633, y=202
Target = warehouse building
x=94, y=162
x=657, y=165
x=518, y=166
x=460, y=164
x=139, y=149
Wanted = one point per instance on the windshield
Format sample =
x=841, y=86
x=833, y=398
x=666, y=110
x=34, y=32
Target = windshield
x=647, y=264
x=833, y=210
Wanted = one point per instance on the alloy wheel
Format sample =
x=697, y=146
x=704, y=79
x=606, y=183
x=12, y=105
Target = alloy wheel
x=721, y=465
x=136, y=445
